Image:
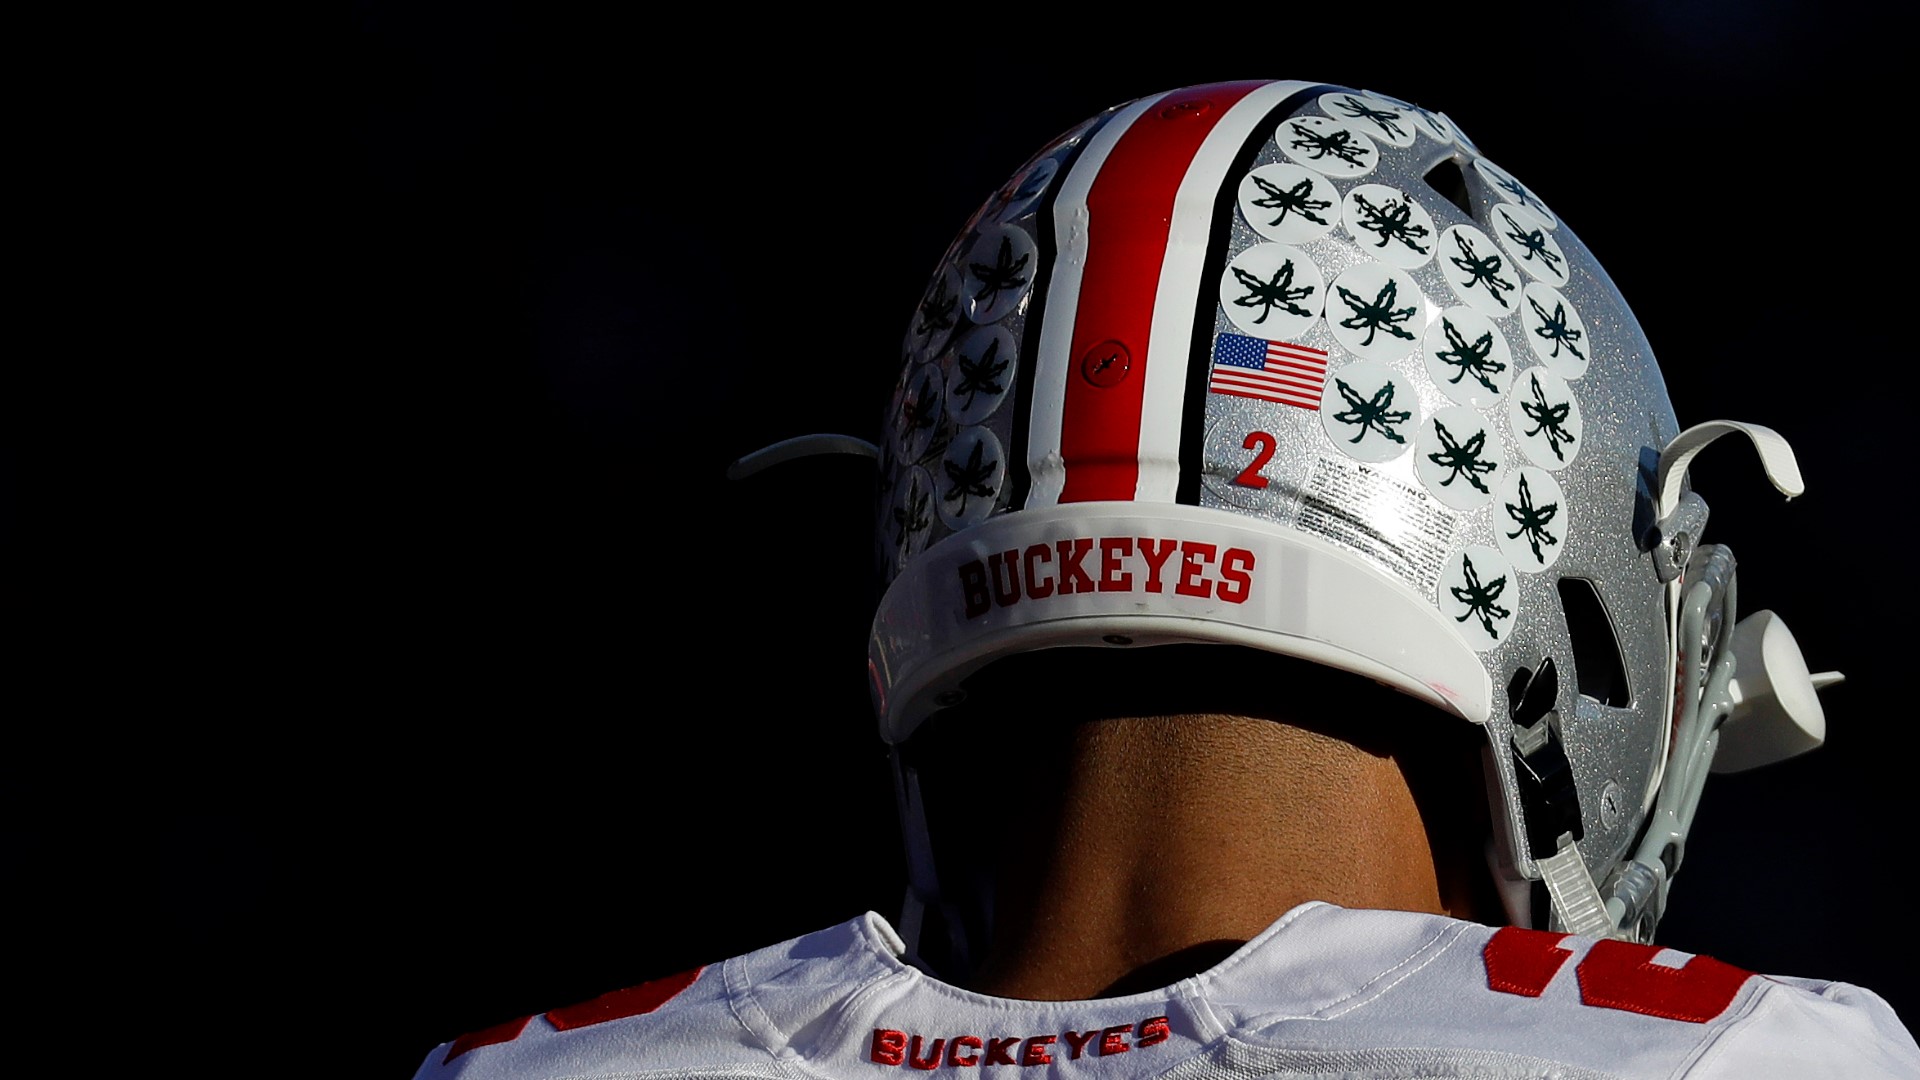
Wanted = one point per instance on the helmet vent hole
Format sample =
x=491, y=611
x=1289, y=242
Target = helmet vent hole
x=1597, y=664
x=1447, y=179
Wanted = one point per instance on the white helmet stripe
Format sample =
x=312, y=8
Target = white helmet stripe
x=1053, y=365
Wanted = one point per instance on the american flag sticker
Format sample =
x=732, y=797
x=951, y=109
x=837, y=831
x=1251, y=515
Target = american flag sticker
x=1276, y=371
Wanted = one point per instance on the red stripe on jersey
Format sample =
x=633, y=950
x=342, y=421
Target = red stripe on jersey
x=473, y=1040
x=620, y=1004
x=1129, y=210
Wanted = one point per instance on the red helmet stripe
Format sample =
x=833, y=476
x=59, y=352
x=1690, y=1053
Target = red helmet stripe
x=1130, y=208
x=1152, y=173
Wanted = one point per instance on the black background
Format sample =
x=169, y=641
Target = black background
x=498, y=694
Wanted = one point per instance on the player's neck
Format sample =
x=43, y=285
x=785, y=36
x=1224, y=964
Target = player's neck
x=1172, y=841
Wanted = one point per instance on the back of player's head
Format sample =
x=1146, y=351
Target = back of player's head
x=1297, y=369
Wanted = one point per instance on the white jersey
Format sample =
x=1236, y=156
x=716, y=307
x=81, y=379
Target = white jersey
x=1324, y=992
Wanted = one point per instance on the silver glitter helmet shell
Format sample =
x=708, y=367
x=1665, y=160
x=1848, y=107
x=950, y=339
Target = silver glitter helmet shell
x=1294, y=367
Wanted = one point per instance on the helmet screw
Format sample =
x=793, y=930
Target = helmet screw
x=1117, y=639
x=947, y=699
x=1610, y=812
x=1671, y=555
x=1106, y=364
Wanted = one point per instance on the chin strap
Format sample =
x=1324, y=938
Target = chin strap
x=1776, y=457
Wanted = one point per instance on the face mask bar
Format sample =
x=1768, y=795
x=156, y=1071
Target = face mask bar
x=1743, y=680
x=1708, y=609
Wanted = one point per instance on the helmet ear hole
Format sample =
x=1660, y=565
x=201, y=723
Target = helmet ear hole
x=1598, y=669
x=1447, y=179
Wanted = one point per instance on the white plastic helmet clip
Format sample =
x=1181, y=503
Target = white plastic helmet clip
x=1679, y=514
x=1776, y=708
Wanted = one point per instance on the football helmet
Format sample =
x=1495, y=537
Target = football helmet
x=1297, y=368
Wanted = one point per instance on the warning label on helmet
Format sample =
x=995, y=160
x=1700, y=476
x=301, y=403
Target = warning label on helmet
x=1394, y=524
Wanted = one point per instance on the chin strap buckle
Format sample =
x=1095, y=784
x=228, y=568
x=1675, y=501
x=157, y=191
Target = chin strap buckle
x=1577, y=906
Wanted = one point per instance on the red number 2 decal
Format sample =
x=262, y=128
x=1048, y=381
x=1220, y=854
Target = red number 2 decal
x=1613, y=975
x=1263, y=445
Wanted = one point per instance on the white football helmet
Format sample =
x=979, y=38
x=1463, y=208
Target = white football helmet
x=1294, y=367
